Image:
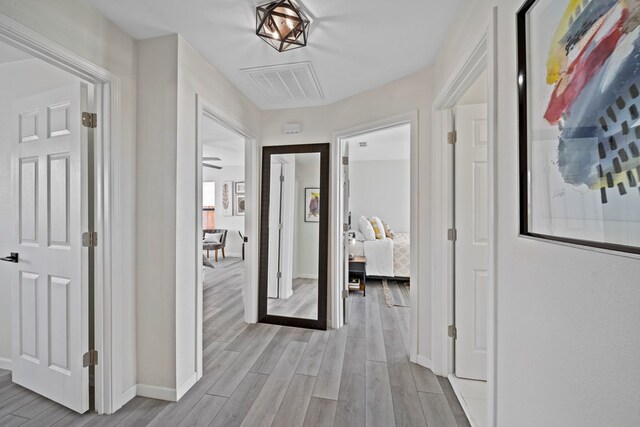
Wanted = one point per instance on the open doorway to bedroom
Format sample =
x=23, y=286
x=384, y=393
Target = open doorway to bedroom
x=223, y=234
x=377, y=214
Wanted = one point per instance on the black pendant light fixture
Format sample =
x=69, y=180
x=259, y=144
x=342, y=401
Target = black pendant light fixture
x=282, y=24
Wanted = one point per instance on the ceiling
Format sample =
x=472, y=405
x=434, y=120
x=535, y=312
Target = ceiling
x=354, y=45
x=218, y=141
x=392, y=143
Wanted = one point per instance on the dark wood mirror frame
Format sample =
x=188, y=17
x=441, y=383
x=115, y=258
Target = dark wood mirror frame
x=323, y=253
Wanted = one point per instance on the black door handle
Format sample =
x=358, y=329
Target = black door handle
x=11, y=258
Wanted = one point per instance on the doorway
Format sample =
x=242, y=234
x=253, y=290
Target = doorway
x=471, y=252
x=47, y=155
x=360, y=148
x=224, y=256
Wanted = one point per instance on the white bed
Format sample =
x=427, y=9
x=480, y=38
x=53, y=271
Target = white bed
x=385, y=258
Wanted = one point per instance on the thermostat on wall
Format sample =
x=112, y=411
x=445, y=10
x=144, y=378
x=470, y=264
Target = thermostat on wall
x=292, y=128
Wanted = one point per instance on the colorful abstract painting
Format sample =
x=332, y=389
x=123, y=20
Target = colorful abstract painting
x=580, y=102
x=312, y=205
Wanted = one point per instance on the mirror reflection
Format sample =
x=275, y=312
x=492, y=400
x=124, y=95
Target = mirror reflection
x=294, y=235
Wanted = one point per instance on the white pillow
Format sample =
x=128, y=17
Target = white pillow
x=212, y=237
x=366, y=228
x=380, y=227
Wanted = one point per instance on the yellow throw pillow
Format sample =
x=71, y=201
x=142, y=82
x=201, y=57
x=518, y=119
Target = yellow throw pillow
x=378, y=228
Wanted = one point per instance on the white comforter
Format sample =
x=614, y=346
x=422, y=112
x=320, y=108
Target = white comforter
x=386, y=258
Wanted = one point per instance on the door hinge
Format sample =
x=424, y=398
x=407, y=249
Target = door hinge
x=90, y=358
x=345, y=227
x=452, y=137
x=452, y=234
x=280, y=226
x=90, y=239
x=345, y=293
x=281, y=178
x=345, y=161
x=279, y=275
x=89, y=120
x=452, y=331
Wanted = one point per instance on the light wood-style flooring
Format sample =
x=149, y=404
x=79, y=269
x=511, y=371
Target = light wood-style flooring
x=266, y=375
x=302, y=304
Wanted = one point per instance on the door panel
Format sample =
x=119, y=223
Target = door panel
x=471, y=259
x=50, y=283
x=345, y=218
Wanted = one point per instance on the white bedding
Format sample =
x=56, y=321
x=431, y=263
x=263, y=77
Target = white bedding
x=385, y=258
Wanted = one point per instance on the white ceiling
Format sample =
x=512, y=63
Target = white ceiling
x=387, y=144
x=354, y=45
x=218, y=141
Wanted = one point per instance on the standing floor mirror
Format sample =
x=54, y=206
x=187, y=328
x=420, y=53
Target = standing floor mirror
x=294, y=236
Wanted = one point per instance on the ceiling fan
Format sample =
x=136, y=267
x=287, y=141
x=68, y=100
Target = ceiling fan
x=211, y=159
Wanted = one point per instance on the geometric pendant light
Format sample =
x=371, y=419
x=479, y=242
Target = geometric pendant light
x=282, y=24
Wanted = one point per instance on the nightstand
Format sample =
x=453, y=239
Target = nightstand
x=357, y=270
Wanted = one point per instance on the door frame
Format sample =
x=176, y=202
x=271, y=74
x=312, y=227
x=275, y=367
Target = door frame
x=482, y=56
x=337, y=248
x=250, y=286
x=108, y=260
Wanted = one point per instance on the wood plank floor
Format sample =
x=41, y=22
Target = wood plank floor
x=266, y=375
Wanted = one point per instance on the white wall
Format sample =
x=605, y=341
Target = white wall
x=231, y=223
x=17, y=80
x=381, y=188
x=410, y=94
x=156, y=237
x=78, y=27
x=567, y=354
x=171, y=75
x=306, y=243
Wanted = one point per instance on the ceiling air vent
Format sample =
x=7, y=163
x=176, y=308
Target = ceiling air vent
x=286, y=83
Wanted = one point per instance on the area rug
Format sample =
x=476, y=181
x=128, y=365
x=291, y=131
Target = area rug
x=396, y=293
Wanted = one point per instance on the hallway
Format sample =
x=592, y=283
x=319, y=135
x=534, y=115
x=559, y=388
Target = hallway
x=267, y=375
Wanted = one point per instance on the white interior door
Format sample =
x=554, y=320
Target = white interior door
x=471, y=259
x=345, y=219
x=50, y=282
x=273, y=284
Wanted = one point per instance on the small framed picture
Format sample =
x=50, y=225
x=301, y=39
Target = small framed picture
x=312, y=205
x=239, y=187
x=239, y=204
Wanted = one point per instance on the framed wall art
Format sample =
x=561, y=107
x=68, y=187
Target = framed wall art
x=312, y=205
x=579, y=122
x=239, y=202
x=227, y=198
x=239, y=187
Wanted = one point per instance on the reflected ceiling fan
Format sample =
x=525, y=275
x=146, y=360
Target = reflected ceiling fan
x=205, y=163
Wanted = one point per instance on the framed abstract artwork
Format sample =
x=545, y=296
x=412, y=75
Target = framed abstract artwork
x=579, y=122
x=312, y=205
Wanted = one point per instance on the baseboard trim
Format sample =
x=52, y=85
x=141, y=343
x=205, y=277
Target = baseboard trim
x=186, y=386
x=155, y=392
x=129, y=394
x=5, y=364
x=423, y=361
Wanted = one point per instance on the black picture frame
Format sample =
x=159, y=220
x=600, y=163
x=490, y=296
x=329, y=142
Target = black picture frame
x=323, y=235
x=524, y=146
